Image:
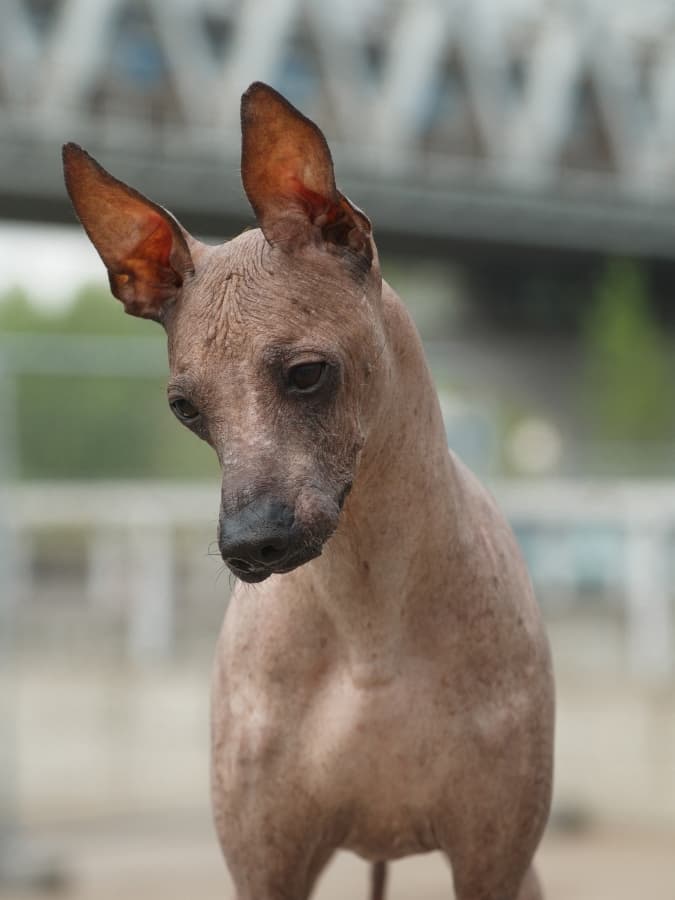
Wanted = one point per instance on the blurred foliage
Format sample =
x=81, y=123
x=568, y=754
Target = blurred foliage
x=92, y=426
x=93, y=311
x=627, y=364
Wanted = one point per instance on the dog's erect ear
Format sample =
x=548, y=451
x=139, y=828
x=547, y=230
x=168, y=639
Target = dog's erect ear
x=288, y=177
x=142, y=246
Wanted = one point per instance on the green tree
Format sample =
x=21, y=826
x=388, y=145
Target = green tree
x=85, y=426
x=92, y=311
x=627, y=369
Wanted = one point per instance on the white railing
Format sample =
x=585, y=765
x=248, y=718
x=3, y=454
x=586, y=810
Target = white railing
x=619, y=534
x=616, y=538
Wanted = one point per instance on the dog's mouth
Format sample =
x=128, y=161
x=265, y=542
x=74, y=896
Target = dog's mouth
x=344, y=493
x=302, y=544
x=250, y=573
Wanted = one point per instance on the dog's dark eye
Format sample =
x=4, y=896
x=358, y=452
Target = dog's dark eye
x=183, y=409
x=307, y=376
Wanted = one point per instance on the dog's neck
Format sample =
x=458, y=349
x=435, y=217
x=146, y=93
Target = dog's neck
x=383, y=557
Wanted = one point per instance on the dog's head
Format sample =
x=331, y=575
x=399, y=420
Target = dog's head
x=274, y=337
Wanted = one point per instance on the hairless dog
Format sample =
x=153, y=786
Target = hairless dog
x=386, y=686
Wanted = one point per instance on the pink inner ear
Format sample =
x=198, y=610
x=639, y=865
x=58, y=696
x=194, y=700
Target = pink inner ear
x=150, y=253
x=316, y=205
x=143, y=276
x=157, y=245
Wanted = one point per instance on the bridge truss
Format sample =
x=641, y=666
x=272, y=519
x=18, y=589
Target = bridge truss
x=535, y=122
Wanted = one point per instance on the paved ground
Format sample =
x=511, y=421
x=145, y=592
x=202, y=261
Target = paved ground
x=181, y=862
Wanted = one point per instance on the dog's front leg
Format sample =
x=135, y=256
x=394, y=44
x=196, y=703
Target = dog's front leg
x=272, y=865
x=478, y=889
x=274, y=837
x=271, y=833
x=276, y=829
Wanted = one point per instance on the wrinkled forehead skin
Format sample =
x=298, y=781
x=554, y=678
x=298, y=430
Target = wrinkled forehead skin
x=248, y=298
x=249, y=309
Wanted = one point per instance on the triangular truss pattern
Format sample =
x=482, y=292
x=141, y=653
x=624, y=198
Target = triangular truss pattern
x=515, y=86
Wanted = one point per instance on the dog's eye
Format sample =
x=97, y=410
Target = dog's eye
x=307, y=376
x=183, y=409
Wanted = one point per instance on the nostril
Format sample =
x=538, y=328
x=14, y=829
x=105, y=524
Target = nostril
x=241, y=564
x=271, y=553
x=268, y=554
x=257, y=538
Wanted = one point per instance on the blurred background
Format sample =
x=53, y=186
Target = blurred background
x=517, y=158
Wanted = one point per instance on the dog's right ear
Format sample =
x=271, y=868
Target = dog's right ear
x=143, y=247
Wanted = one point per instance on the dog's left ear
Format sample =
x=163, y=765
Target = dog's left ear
x=288, y=177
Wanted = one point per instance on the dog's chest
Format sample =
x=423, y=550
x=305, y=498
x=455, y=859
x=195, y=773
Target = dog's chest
x=382, y=757
x=381, y=765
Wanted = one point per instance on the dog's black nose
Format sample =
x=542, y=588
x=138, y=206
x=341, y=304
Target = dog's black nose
x=258, y=537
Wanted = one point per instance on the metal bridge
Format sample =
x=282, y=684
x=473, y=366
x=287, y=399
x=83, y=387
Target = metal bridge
x=535, y=123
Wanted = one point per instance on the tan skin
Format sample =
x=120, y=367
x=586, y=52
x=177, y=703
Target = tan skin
x=392, y=693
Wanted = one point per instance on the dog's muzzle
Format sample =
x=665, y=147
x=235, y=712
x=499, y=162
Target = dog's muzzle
x=263, y=539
